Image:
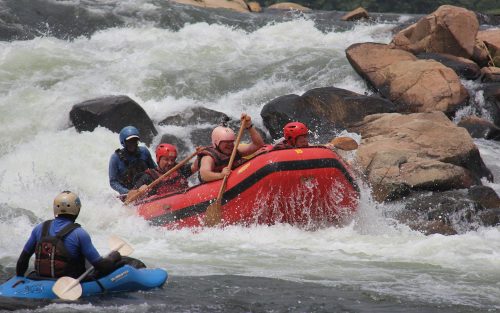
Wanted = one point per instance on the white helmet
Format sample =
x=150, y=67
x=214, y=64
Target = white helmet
x=67, y=202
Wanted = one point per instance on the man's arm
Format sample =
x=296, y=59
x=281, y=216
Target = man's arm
x=104, y=265
x=28, y=250
x=114, y=175
x=257, y=141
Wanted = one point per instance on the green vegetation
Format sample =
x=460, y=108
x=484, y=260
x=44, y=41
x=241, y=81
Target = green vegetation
x=395, y=6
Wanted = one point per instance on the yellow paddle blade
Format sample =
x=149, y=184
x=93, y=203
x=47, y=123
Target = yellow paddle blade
x=117, y=244
x=213, y=214
x=344, y=143
x=67, y=288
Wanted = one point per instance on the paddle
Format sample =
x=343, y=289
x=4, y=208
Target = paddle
x=139, y=193
x=213, y=213
x=68, y=288
x=343, y=143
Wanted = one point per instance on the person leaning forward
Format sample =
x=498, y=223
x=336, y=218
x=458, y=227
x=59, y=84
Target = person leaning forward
x=128, y=163
x=166, y=156
x=61, y=246
x=213, y=160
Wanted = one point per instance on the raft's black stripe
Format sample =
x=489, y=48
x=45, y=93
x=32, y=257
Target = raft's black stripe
x=250, y=181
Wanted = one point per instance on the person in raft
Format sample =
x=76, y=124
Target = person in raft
x=295, y=136
x=61, y=245
x=213, y=160
x=166, y=156
x=129, y=162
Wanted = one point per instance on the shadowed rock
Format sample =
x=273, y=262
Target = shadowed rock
x=480, y=128
x=325, y=111
x=195, y=116
x=450, y=212
x=114, y=113
x=463, y=67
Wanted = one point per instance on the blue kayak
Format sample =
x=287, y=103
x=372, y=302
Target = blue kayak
x=126, y=278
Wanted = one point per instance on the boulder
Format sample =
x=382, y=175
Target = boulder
x=450, y=212
x=254, y=6
x=421, y=151
x=464, y=68
x=491, y=93
x=325, y=111
x=418, y=85
x=480, y=128
x=490, y=74
x=289, y=6
x=235, y=5
x=449, y=29
x=181, y=145
x=195, y=116
x=114, y=113
x=356, y=14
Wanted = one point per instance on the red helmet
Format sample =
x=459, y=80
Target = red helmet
x=221, y=133
x=165, y=149
x=293, y=130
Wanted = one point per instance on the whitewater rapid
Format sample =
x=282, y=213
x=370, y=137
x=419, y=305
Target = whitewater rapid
x=229, y=70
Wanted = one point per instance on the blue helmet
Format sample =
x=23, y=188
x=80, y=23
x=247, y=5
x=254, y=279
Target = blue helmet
x=127, y=133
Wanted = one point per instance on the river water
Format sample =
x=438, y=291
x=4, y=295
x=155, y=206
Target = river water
x=167, y=58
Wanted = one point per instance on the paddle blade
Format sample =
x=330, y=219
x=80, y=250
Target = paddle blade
x=117, y=244
x=213, y=215
x=344, y=143
x=67, y=288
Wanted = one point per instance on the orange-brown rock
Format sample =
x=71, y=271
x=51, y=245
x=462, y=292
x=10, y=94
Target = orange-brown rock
x=449, y=30
x=254, y=6
x=289, y=6
x=420, y=85
x=416, y=151
x=235, y=5
x=424, y=86
x=356, y=14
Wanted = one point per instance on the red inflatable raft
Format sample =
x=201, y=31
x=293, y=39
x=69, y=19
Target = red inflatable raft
x=307, y=186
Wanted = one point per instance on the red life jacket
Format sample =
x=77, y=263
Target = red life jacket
x=172, y=183
x=51, y=256
x=221, y=160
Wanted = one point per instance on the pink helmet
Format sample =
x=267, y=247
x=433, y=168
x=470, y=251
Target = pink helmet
x=165, y=149
x=293, y=130
x=221, y=133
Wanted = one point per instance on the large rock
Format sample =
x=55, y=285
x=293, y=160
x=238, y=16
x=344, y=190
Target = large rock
x=289, y=6
x=195, y=116
x=464, y=68
x=490, y=74
x=114, y=113
x=420, y=85
x=449, y=30
x=356, y=14
x=325, y=111
x=480, y=128
x=418, y=151
x=491, y=93
x=451, y=212
x=235, y=5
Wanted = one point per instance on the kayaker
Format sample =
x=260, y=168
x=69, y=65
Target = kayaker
x=128, y=163
x=213, y=160
x=295, y=136
x=166, y=156
x=61, y=246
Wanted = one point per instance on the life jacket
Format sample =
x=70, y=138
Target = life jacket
x=51, y=256
x=221, y=160
x=132, y=169
x=172, y=183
